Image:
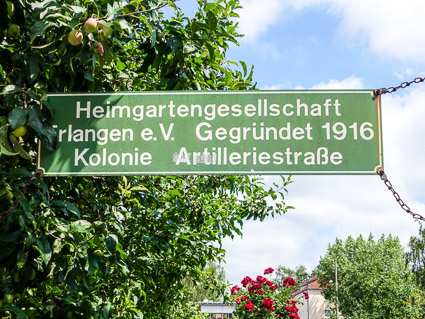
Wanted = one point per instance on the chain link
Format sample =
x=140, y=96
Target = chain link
x=380, y=171
x=392, y=89
x=397, y=197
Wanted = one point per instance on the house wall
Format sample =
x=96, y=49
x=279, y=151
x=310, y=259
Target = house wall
x=314, y=307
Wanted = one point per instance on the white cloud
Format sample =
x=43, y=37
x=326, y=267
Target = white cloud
x=351, y=82
x=387, y=27
x=391, y=28
x=257, y=16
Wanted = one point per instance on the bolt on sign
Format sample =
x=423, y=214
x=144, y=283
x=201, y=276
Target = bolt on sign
x=228, y=132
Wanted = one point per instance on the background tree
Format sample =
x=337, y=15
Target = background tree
x=299, y=274
x=417, y=256
x=110, y=247
x=374, y=279
x=210, y=286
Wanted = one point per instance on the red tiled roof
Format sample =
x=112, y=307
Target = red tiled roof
x=310, y=283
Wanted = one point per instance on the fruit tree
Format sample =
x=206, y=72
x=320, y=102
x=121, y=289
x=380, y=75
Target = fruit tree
x=114, y=246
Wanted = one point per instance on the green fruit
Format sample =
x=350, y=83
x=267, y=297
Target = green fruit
x=98, y=252
x=13, y=31
x=90, y=25
x=32, y=275
x=75, y=37
x=10, y=9
x=9, y=196
x=8, y=298
x=20, y=131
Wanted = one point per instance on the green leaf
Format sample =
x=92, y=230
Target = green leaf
x=42, y=185
x=9, y=89
x=69, y=206
x=4, y=142
x=18, y=312
x=25, y=204
x=6, y=150
x=21, y=259
x=2, y=73
x=184, y=237
x=212, y=20
x=229, y=78
x=38, y=29
x=122, y=253
x=111, y=242
x=35, y=122
x=93, y=261
x=139, y=189
x=6, y=251
x=10, y=237
x=125, y=25
x=245, y=69
x=210, y=50
x=105, y=310
x=89, y=77
x=32, y=67
x=138, y=313
x=121, y=66
x=78, y=9
x=45, y=249
x=80, y=226
x=110, y=12
x=195, y=27
x=18, y=148
x=20, y=172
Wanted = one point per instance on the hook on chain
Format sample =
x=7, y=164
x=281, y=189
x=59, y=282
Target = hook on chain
x=378, y=92
x=380, y=171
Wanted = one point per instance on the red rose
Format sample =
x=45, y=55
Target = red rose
x=268, y=270
x=288, y=282
x=234, y=289
x=268, y=303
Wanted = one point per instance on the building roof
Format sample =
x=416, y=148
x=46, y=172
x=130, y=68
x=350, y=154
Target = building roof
x=309, y=284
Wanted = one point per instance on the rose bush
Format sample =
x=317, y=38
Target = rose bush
x=263, y=298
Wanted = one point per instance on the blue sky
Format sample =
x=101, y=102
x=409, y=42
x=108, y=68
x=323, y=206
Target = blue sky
x=336, y=44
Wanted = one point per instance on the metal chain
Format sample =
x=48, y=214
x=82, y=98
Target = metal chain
x=380, y=171
x=397, y=197
x=392, y=89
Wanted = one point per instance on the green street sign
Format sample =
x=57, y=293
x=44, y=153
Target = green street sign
x=203, y=132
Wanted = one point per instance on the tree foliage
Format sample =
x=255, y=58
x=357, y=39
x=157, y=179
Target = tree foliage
x=110, y=247
x=374, y=279
x=417, y=256
x=299, y=274
x=210, y=286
